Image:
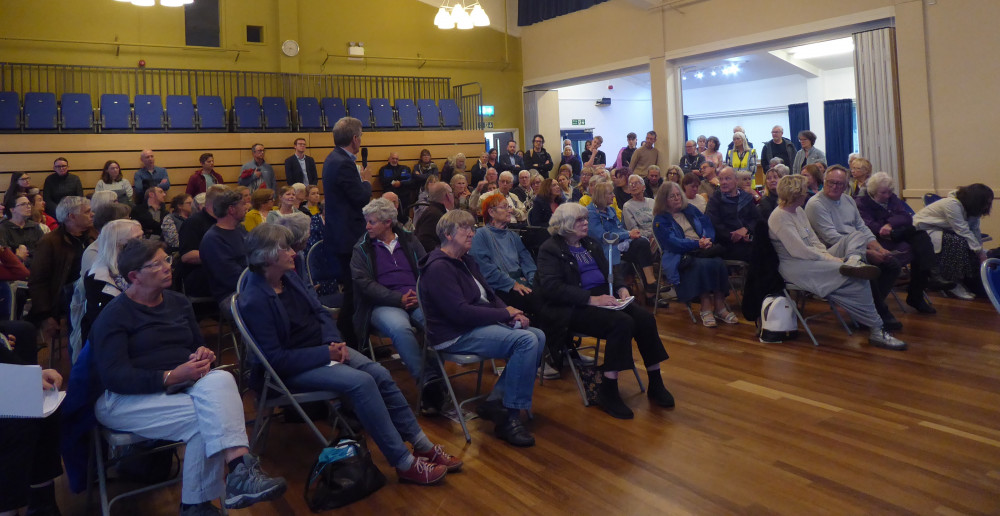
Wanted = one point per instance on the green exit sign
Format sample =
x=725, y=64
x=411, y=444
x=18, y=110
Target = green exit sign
x=579, y=121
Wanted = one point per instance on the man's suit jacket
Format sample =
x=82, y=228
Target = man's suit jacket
x=345, y=194
x=503, y=164
x=293, y=171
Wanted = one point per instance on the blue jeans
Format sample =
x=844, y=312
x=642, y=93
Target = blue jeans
x=376, y=399
x=401, y=327
x=521, y=348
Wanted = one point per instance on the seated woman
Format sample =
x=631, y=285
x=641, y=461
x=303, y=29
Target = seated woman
x=691, y=184
x=603, y=218
x=550, y=196
x=861, y=171
x=460, y=190
x=769, y=201
x=313, y=204
x=288, y=203
x=889, y=219
x=261, y=202
x=674, y=173
x=744, y=180
x=150, y=356
x=572, y=276
x=734, y=215
x=180, y=209
x=814, y=179
x=300, y=340
x=806, y=262
x=953, y=225
x=102, y=282
x=691, y=259
x=464, y=315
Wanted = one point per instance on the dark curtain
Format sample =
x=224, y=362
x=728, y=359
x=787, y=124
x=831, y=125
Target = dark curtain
x=534, y=11
x=798, y=120
x=686, y=137
x=839, y=130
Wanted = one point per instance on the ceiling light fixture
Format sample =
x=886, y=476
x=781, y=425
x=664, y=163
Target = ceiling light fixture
x=699, y=75
x=460, y=16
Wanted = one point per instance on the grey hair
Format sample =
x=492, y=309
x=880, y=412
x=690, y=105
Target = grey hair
x=224, y=201
x=743, y=174
x=635, y=177
x=775, y=161
x=264, y=244
x=298, y=223
x=653, y=167
x=110, y=242
x=781, y=169
x=68, y=206
x=878, y=180
x=299, y=187
x=451, y=221
x=101, y=198
x=743, y=136
x=564, y=218
x=381, y=208
x=199, y=200
x=507, y=174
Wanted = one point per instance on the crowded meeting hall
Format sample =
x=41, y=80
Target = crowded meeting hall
x=255, y=264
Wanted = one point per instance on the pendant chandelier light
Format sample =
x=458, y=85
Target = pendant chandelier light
x=460, y=15
x=164, y=3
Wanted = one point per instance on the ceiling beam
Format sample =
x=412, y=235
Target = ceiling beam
x=808, y=70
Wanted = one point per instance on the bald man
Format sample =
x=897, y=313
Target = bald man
x=149, y=175
x=394, y=199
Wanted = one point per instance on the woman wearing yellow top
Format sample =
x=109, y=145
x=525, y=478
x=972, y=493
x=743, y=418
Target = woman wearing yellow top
x=313, y=204
x=742, y=157
x=262, y=201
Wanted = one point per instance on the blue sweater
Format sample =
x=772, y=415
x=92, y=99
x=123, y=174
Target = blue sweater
x=451, y=300
x=499, y=252
x=606, y=221
x=673, y=242
x=224, y=257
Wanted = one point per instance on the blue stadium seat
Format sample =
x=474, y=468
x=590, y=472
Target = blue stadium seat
x=275, y=113
x=148, y=113
x=116, y=112
x=382, y=111
x=180, y=113
x=246, y=114
x=77, y=112
x=358, y=108
x=40, y=111
x=450, y=115
x=308, y=114
x=407, y=114
x=430, y=116
x=10, y=111
x=211, y=113
x=333, y=110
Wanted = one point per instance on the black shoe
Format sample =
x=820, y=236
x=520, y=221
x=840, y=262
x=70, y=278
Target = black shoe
x=659, y=395
x=936, y=282
x=514, y=432
x=921, y=305
x=433, y=399
x=890, y=323
x=611, y=402
x=201, y=509
x=492, y=410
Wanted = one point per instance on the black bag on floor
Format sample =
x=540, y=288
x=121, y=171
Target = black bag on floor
x=590, y=376
x=343, y=474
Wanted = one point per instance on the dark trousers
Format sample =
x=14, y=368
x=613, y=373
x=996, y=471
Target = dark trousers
x=639, y=253
x=345, y=319
x=532, y=306
x=25, y=340
x=618, y=328
x=924, y=260
x=882, y=286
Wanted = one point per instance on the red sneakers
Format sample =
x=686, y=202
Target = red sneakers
x=422, y=472
x=437, y=455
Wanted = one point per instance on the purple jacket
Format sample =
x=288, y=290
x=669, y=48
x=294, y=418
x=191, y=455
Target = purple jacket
x=875, y=216
x=451, y=300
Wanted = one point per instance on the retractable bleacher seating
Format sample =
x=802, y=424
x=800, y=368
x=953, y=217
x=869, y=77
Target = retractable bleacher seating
x=408, y=115
x=358, y=108
x=77, y=112
x=275, y=113
x=116, y=112
x=382, y=114
x=308, y=115
x=10, y=111
x=430, y=115
x=246, y=114
x=40, y=112
x=333, y=110
x=211, y=113
x=180, y=113
x=451, y=116
x=148, y=113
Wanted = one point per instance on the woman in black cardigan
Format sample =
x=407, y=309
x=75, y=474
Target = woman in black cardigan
x=572, y=276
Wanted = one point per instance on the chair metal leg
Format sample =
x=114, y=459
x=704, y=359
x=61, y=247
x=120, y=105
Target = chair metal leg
x=840, y=319
x=690, y=312
x=454, y=399
x=798, y=314
x=899, y=302
x=579, y=382
x=101, y=474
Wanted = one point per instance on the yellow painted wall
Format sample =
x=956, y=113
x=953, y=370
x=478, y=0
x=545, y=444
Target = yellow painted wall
x=946, y=56
x=389, y=28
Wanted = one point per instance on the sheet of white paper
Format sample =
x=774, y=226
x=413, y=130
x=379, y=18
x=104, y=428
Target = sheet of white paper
x=21, y=388
x=51, y=401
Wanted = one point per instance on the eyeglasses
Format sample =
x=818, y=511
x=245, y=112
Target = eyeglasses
x=580, y=219
x=502, y=206
x=18, y=205
x=837, y=184
x=166, y=262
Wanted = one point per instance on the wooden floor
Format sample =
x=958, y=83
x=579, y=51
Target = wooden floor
x=758, y=429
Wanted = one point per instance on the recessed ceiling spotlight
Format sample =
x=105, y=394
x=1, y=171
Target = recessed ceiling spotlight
x=699, y=75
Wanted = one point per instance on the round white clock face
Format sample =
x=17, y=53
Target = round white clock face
x=290, y=48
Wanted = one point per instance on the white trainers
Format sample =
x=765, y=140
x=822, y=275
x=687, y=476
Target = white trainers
x=883, y=339
x=548, y=372
x=961, y=292
x=853, y=267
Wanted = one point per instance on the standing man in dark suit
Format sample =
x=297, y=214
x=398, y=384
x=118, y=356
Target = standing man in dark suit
x=300, y=168
x=347, y=190
x=511, y=162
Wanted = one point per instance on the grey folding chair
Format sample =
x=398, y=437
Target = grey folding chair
x=798, y=305
x=122, y=447
x=274, y=393
x=578, y=345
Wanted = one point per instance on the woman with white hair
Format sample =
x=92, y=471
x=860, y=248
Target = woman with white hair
x=101, y=198
x=890, y=220
x=572, y=277
x=568, y=158
x=102, y=282
x=742, y=156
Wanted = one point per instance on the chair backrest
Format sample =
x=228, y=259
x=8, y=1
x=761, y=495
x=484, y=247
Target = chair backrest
x=333, y=110
x=77, y=112
x=116, y=112
x=40, y=111
x=148, y=113
x=358, y=108
x=308, y=113
x=430, y=115
x=275, y=113
x=408, y=115
x=990, y=272
x=211, y=112
x=930, y=198
x=246, y=113
x=180, y=113
x=450, y=114
x=382, y=112
x=318, y=267
x=10, y=111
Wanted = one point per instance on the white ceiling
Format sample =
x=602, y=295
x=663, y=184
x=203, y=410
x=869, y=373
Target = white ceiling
x=761, y=65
